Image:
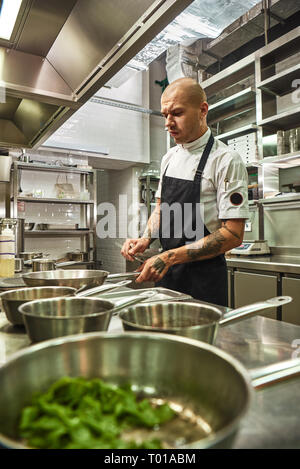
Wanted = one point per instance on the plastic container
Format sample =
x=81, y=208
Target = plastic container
x=7, y=247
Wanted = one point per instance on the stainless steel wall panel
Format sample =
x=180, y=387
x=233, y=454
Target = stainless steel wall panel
x=252, y=287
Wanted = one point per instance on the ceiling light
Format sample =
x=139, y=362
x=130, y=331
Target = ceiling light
x=8, y=15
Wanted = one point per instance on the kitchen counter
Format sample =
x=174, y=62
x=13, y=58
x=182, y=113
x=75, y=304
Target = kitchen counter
x=272, y=263
x=274, y=414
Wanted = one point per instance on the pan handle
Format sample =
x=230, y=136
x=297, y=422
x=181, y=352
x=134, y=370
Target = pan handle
x=123, y=275
x=244, y=311
x=102, y=288
x=137, y=299
x=274, y=373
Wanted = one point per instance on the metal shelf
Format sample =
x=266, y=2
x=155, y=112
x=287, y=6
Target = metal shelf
x=54, y=168
x=288, y=160
x=237, y=132
x=281, y=83
x=47, y=233
x=56, y=201
x=283, y=121
x=234, y=102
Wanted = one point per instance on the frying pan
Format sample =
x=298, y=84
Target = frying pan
x=13, y=299
x=210, y=389
x=194, y=320
x=73, y=278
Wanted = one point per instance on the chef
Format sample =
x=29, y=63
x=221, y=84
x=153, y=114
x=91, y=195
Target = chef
x=202, y=202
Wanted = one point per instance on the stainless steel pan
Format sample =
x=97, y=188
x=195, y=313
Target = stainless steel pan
x=55, y=317
x=73, y=278
x=13, y=299
x=195, y=320
x=210, y=390
x=28, y=256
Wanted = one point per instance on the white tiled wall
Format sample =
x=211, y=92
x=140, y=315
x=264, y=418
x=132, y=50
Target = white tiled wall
x=111, y=185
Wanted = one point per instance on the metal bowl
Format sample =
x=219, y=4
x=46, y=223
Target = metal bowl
x=209, y=388
x=13, y=299
x=61, y=316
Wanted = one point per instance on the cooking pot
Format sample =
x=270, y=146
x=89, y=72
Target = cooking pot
x=73, y=278
x=55, y=317
x=39, y=265
x=78, y=256
x=210, y=390
x=28, y=256
x=195, y=320
x=13, y=299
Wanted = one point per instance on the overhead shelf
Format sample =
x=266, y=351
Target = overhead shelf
x=283, y=121
x=237, y=132
x=235, y=101
x=282, y=82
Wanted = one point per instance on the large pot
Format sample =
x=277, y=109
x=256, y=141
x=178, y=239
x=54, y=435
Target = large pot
x=195, y=320
x=210, y=389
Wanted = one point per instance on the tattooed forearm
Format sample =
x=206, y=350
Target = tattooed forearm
x=211, y=246
x=152, y=229
x=237, y=235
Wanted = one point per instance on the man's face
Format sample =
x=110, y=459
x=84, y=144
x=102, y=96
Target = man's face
x=184, y=121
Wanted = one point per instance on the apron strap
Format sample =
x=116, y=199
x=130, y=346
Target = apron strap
x=203, y=159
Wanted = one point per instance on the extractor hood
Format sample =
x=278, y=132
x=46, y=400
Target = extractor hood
x=62, y=52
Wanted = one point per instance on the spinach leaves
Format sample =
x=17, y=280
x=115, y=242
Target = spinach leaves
x=77, y=413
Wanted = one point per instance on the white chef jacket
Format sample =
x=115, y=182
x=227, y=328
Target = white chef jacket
x=224, y=185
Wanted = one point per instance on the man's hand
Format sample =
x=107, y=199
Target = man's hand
x=155, y=267
x=133, y=246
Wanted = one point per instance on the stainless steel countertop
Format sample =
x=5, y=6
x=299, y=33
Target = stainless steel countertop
x=274, y=414
x=273, y=263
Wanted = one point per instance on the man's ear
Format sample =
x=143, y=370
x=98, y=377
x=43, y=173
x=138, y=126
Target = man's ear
x=204, y=108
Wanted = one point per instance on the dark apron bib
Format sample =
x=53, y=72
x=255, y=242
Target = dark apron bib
x=204, y=280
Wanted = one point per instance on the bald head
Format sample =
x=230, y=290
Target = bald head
x=188, y=89
x=184, y=106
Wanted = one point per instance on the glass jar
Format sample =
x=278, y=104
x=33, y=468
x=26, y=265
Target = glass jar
x=7, y=246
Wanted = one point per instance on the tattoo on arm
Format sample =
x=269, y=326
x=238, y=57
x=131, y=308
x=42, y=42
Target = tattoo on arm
x=152, y=229
x=211, y=245
x=230, y=231
x=159, y=265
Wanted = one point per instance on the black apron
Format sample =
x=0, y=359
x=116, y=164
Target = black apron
x=204, y=280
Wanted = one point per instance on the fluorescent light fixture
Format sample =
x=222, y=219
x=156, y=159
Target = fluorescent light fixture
x=8, y=16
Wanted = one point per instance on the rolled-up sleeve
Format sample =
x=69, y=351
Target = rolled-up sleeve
x=232, y=188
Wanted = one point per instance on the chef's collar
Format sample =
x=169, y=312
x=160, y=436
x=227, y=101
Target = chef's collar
x=196, y=144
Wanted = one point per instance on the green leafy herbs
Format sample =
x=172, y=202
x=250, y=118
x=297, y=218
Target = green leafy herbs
x=77, y=413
